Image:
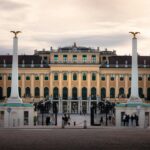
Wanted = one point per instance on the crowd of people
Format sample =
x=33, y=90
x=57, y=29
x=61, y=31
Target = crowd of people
x=130, y=120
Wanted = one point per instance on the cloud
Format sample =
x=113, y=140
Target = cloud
x=9, y=5
x=46, y=23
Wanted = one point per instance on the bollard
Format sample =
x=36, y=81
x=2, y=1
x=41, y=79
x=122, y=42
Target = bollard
x=85, y=125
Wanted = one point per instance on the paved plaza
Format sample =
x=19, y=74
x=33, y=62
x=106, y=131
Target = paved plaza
x=75, y=139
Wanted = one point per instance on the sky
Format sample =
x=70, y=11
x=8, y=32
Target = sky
x=91, y=23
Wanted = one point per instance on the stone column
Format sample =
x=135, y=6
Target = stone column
x=117, y=85
x=107, y=86
x=88, y=84
x=41, y=85
x=32, y=85
x=23, y=84
x=14, y=96
x=126, y=85
x=5, y=88
x=69, y=85
x=134, y=73
x=50, y=83
x=60, y=83
x=134, y=82
x=144, y=89
x=79, y=84
x=98, y=83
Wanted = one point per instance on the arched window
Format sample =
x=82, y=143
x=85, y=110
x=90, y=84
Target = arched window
x=148, y=93
x=46, y=77
x=19, y=77
x=103, y=93
x=129, y=93
x=84, y=93
x=27, y=92
x=36, y=77
x=8, y=91
x=112, y=77
x=55, y=93
x=141, y=95
x=55, y=76
x=148, y=77
x=93, y=76
x=27, y=78
x=93, y=93
x=9, y=77
x=121, y=93
x=121, y=77
x=103, y=77
x=140, y=78
x=37, y=92
x=74, y=93
x=112, y=92
x=65, y=93
x=19, y=89
x=84, y=76
x=1, y=77
x=1, y=92
x=64, y=76
x=74, y=76
x=46, y=92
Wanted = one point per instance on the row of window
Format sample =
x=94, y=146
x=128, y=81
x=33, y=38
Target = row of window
x=84, y=77
x=121, y=78
x=74, y=77
x=75, y=93
x=74, y=58
x=27, y=78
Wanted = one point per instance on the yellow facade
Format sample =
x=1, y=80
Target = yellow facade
x=89, y=63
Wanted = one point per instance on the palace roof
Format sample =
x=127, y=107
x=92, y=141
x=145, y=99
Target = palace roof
x=128, y=60
x=28, y=59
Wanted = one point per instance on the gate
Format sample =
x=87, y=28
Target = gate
x=102, y=114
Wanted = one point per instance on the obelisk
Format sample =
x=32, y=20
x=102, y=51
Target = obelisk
x=14, y=97
x=134, y=97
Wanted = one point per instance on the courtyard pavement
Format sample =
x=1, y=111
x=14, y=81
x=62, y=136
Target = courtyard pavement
x=75, y=139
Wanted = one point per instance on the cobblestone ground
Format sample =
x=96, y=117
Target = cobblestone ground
x=75, y=139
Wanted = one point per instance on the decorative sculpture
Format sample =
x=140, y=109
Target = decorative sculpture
x=134, y=34
x=15, y=33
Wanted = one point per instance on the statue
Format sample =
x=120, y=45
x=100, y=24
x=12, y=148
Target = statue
x=15, y=33
x=134, y=34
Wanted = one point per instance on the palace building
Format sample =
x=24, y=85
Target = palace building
x=74, y=77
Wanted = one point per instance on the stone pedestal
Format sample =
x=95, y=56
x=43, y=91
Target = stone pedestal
x=16, y=115
x=141, y=110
